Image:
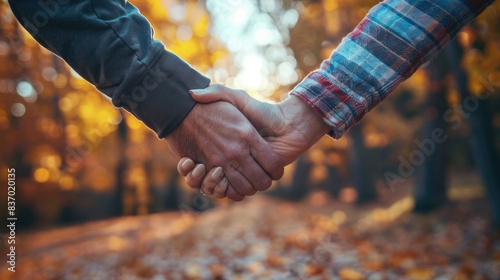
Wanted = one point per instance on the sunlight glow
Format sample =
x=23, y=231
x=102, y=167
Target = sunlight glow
x=252, y=33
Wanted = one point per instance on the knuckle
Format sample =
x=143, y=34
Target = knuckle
x=191, y=182
x=244, y=189
x=218, y=161
x=232, y=162
x=251, y=192
x=222, y=185
x=236, y=166
x=209, y=182
x=217, y=87
x=219, y=196
x=207, y=189
x=231, y=193
x=209, y=185
x=220, y=191
x=276, y=168
x=248, y=134
x=236, y=197
x=264, y=184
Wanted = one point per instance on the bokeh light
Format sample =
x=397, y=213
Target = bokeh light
x=18, y=110
x=41, y=175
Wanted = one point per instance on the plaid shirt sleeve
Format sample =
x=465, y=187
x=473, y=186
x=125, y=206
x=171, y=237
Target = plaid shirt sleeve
x=394, y=39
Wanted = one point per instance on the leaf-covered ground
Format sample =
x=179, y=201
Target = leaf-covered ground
x=265, y=238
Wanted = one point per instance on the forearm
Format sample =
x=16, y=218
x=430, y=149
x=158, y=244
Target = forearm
x=110, y=44
x=386, y=48
x=302, y=118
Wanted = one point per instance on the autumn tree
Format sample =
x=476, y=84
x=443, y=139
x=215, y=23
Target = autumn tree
x=64, y=137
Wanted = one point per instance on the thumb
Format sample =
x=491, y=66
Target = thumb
x=262, y=115
x=216, y=93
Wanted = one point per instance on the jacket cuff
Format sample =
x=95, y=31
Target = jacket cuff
x=330, y=102
x=161, y=98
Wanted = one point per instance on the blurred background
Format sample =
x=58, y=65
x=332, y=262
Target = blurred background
x=90, y=177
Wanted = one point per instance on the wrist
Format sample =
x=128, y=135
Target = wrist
x=178, y=137
x=302, y=118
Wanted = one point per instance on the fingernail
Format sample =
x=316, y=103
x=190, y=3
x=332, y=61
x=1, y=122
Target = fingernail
x=224, y=181
x=198, y=170
x=196, y=92
x=217, y=173
x=187, y=164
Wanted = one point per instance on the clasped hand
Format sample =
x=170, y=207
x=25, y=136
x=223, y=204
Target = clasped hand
x=244, y=142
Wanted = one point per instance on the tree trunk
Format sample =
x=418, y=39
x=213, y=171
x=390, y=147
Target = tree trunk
x=361, y=174
x=481, y=133
x=171, y=199
x=431, y=183
x=117, y=208
x=299, y=187
x=334, y=181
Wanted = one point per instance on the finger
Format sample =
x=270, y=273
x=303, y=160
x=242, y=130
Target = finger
x=185, y=165
x=255, y=174
x=265, y=117
x=221, y=93
x=220, y=188
x=232, y=194
x=210, y=181
x=264, y=154
x=195, y=177
x=241, y=185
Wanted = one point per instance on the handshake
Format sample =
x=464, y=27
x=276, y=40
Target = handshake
x=234, y=146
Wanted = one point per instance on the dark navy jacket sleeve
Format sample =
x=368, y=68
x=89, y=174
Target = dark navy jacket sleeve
x=111, y=45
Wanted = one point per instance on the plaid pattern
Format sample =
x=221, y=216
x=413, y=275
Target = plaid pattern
x=394, y=39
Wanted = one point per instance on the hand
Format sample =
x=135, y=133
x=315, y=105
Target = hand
x=291, y=128
x=217, y=134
